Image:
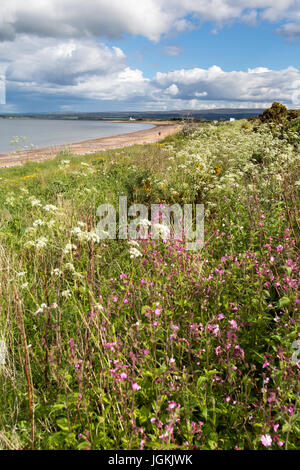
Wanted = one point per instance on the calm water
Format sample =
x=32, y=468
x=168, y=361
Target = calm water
x=45, y=133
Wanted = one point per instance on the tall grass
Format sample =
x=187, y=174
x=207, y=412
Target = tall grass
x=170, y=349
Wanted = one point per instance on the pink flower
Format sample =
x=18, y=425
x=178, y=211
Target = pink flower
x=275, y=427
x=266, y=440
x=146, y=351
x=126, y=301
x=123, y=375
x=279, y=248
x=172, y=405
x=233, y=324
x=266, y=364
x=157, y=311
x=135, y=386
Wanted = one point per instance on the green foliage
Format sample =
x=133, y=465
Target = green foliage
x=170, y=349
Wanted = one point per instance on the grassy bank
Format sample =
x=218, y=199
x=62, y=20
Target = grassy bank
x=159, y=348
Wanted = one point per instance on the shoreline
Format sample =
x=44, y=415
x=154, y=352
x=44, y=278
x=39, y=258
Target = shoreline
x=90, y=146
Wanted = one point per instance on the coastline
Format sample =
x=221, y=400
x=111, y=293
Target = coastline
x=145, y=136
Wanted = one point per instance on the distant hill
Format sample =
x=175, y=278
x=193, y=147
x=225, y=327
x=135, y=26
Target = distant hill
x=206, y=115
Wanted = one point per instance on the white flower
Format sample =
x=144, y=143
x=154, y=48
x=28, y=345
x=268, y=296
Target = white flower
x=40, y=309
x=69, y=247
x=66, y=293
x=21, y=274
x=92, y=236
x=50, y=207
x=23, y=286
x=133, y=243
x=41, y=242
x=76, y=231
x=38, y=222
x=134, y=253
x=35, y=202
x=51, y=223
x=56, y=272
x=163, y=230
x=70, y=266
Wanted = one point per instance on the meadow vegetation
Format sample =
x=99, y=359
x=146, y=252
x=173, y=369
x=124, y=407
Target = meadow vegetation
x=107, y=347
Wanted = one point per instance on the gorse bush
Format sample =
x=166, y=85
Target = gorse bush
x=143, y=344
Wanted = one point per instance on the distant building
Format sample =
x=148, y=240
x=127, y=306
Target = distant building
x=232, y=119
x=131, y=119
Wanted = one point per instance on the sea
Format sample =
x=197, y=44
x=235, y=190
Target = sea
x=27, y=134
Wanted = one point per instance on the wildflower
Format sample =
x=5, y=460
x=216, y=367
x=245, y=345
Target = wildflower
x=279, y=248
x=69, y=247
x=266, y=364
x=172, y=405
x=133, y=243
x=233, y=324
x=35, y=202
x=50, y=207
x=41, y=242
x=163, y=230
x=123, y=375
x=172, y=361
x=70, y=266
x=134, y=253
x=266, y=440
x=40, y=309
x=38, y=222
x=56, y=272
x=135, y=386
x=66, y=293
x=21, y=274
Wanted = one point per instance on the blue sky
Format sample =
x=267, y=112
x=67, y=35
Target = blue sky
x=58, y=55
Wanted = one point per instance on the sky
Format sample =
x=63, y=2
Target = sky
x=144, y=55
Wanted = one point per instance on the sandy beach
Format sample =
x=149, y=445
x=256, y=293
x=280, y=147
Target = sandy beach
x=146, y=136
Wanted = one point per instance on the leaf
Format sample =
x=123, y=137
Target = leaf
x=204, y=413
x=283, y=302
x=63, y=424
x=200, y=382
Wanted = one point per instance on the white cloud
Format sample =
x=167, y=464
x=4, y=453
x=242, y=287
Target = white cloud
x=58, y=62
x=172, y=90
x=255, y=86
x=172, y=51
x=150, y=18
x=86, y=69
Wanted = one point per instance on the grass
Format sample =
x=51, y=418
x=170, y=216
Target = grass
x=171, y=349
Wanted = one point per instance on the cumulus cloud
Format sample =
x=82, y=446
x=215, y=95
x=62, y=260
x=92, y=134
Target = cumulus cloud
x=86, y=69
x=78, y=68
x=255, y=86
x=150, y=18
x=58, y=62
